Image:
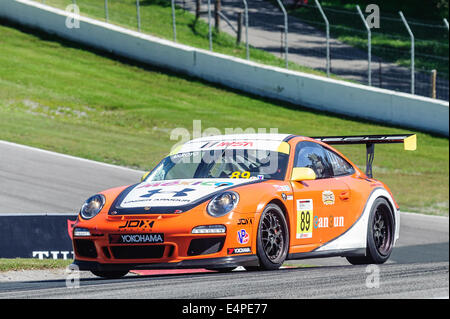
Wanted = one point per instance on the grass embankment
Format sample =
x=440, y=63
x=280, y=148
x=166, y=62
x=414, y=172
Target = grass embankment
x=18, y=264
x=156, y=19
x=60, y=97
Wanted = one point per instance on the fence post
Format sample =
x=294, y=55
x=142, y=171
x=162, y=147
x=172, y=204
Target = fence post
x=327, y=35
x=412, y=50
x=286, y=49
x=138, y=15
x=246, y=29
x=106, y=11
x=369, y=45
x=239, y=28
x=217, y=15
x=174, y=26
x=197, y=9
x=433, y=83
x=380, y=73
x=209, y=26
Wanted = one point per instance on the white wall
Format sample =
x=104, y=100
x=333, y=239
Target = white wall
x=299, y=88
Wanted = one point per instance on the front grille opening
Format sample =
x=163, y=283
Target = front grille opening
x=204, y=246
x=85, y=248
x=171, y=250
x=138, y=252
x=106, y=252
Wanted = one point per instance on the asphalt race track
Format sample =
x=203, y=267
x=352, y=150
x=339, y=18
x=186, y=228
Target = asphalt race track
x=418, y=267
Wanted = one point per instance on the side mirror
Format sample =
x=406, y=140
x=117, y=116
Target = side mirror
x=144, y=176
x=303, y=174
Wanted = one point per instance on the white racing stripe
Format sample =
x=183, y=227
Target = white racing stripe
x=356, y=236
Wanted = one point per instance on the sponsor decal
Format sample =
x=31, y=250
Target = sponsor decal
x=328, y=222
x=243, y=237
x=181, y=193
x=175, y=192
x=239, y=250
x=136, y=238
x=228, y=144
x=245, y=221
x=282, y=188
x=213, y=183
x=45, y=254
x=304, y=218
x=336, y=221
x=184, y=155
x=141, y=224
x=328, y=197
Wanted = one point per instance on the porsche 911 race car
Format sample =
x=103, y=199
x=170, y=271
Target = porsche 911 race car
x=253, y=200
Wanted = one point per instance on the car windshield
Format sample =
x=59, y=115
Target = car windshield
x=226, y=163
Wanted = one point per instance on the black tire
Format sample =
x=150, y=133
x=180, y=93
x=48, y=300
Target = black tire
x=272, y=240
x=380, y=235
x=110, y=274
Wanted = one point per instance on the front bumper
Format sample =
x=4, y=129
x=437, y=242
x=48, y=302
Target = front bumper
x=216, y=263
x=178, y=247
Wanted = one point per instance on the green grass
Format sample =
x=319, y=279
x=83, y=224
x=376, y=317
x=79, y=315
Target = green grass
x=32, y=264
x=60, y=97
x=390, y=42
x=156, y=19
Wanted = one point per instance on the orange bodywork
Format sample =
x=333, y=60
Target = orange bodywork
x=334, y=205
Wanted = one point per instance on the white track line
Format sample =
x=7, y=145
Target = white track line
x=68, y=156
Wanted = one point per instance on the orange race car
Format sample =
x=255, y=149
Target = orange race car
x=253, y=200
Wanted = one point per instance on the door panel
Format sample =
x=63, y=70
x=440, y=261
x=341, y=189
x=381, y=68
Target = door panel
x=322, y=206
x=321, y=210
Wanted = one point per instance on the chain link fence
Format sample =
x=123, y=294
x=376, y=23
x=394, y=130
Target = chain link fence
x=334, y=41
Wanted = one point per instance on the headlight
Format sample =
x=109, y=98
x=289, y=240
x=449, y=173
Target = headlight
x=92, y=206
x=222, y=204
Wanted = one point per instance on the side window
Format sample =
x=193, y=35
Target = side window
x=312, y=155
x=340, y=166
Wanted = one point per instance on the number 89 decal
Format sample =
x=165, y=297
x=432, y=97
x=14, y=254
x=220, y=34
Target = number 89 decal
x=304, y=218
x=238, y=174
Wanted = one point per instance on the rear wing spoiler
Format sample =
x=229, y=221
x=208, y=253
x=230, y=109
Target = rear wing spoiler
x=409, y=143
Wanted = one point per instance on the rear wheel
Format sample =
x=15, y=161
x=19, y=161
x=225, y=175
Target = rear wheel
x=272, y=240
x=380, y=235
x=110, y=274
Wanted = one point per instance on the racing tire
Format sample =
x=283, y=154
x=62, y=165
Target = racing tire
x=110, y=274
x=272, y=240
x=380, y=235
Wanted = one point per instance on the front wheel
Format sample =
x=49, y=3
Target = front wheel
x=380, y=235
x=272, y=242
